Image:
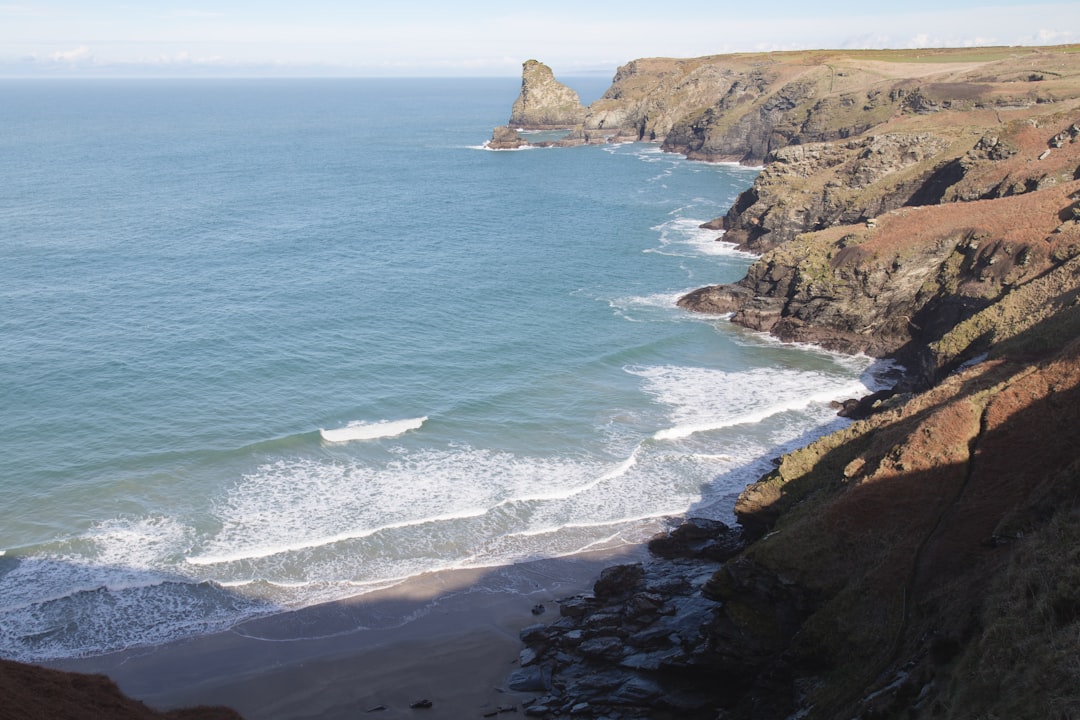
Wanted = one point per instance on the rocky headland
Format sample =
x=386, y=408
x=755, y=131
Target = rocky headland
x=923, y=562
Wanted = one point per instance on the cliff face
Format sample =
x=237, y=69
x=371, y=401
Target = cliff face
x=896, y=283
x=922, y=562
x=938, y=537
x=544, y=102
x=649, y=97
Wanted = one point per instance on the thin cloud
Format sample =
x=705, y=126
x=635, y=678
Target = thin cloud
x=81, y=54
x=347, y=42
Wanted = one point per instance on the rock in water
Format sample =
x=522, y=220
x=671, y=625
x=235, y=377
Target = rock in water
x=544, y=102
x=505, y=138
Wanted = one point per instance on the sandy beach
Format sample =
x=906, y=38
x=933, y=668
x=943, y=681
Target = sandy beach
x=450, y=638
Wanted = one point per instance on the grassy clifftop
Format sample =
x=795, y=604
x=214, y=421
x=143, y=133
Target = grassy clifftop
x=741, y=107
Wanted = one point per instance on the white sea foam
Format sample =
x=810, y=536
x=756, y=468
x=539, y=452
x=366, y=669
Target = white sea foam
x=488, y=148
x=646, y=308
x=684, y=237
x=370, y=431
x=303, y=504
x=685, y=430
x=705, y=399
x=623, y=467
x=256, y=553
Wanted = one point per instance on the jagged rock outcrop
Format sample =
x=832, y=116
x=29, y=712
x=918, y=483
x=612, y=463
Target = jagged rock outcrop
x=544, y=102
x=649, y=96
x=505, y=137
x=896, y=283
x=811, y=187
x=638, y=645
x=804, y=188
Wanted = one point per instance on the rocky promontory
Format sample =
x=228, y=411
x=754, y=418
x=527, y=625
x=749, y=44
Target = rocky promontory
x=544, y=103
x=922, y=562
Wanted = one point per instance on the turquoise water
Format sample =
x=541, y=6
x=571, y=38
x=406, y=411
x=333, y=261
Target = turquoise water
x=215, y=293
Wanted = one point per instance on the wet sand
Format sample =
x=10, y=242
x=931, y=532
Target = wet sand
x=450, y=638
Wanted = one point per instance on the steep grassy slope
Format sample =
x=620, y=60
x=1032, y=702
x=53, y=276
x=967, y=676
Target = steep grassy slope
x=34, y=693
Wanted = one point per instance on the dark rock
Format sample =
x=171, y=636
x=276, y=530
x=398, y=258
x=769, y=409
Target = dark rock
x=421, y=704
x=576, y=607
x=699, y=538
x=605, y=647
x=645, y=603
x=618, y=581
x=864, y=406
x=531, y=679
x=716, y=299
x=760, y=313
x=637, y=690
x=533, y=633
x=654, y=660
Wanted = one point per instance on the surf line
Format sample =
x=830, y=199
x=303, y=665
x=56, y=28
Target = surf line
x=371, y=431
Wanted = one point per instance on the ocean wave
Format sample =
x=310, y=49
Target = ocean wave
x=573, y=479
x=97, y=620
x=661, y=307
x=360, y=430
x=488, y=148
x=257, y=553
x=707, y=399
x=684, y=237
x=682, y=431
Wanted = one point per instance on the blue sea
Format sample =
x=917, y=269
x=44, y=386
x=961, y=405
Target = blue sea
x=270, y=343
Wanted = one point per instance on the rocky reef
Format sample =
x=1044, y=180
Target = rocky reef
x=922, y=562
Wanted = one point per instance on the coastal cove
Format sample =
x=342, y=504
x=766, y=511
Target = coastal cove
x=317, y=426
x=260, y=272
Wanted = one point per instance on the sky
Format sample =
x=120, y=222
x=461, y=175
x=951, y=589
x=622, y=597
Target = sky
x=431, y=38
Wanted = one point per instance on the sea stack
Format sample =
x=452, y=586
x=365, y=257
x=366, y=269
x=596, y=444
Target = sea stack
x=545, y=103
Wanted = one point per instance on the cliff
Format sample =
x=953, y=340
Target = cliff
x=544, y=102
x=922, y=562
x=28, y=692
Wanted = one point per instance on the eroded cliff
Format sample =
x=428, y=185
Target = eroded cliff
x=544, y=102
x=922, y=562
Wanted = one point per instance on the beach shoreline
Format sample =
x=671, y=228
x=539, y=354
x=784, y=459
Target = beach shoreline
x=448, y=637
